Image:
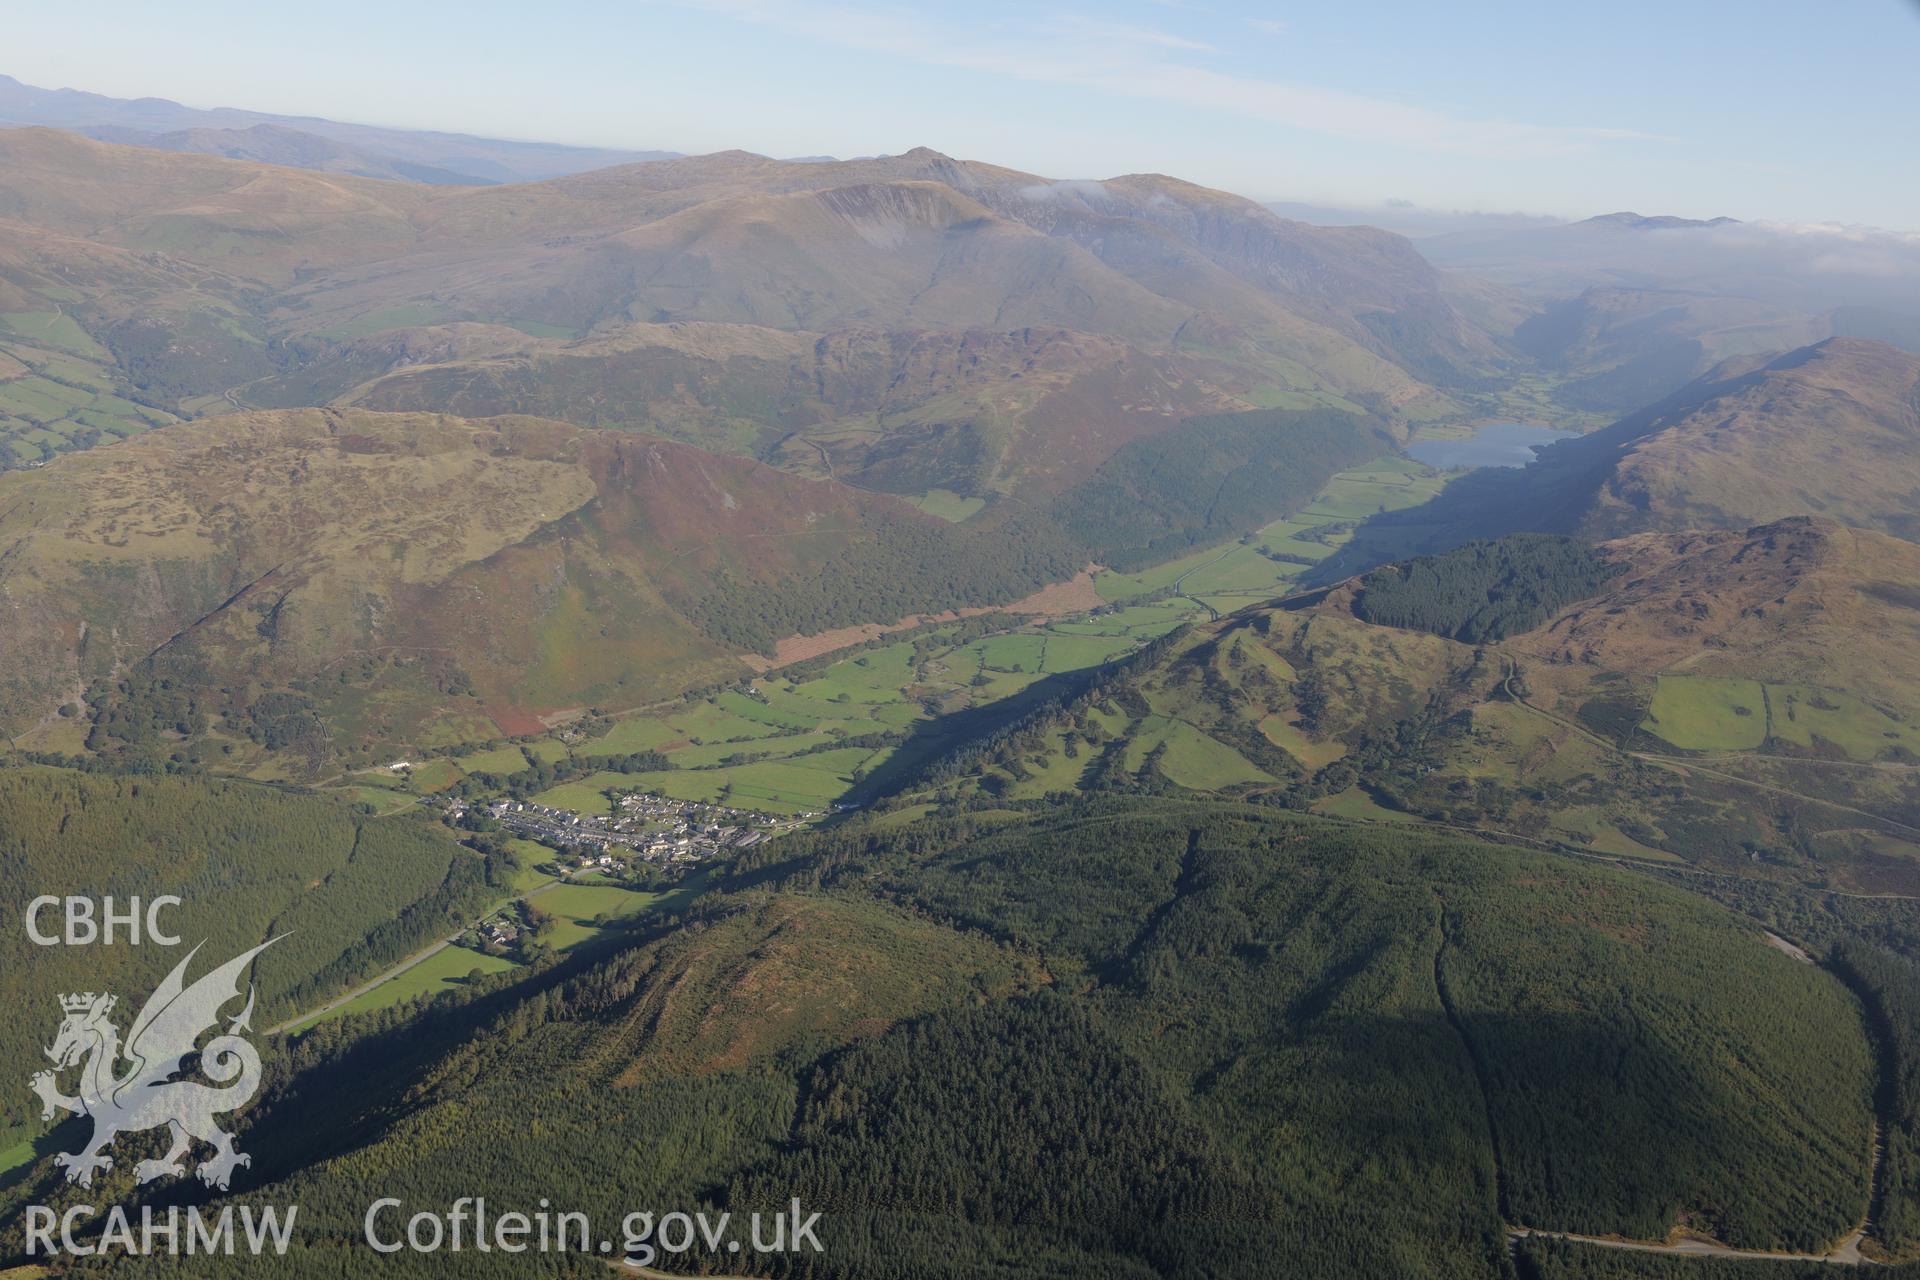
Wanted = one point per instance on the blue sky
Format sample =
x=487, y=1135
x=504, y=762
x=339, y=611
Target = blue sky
x=1776, y=109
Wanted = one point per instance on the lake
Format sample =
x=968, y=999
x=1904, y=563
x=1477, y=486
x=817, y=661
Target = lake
x=1498, y=444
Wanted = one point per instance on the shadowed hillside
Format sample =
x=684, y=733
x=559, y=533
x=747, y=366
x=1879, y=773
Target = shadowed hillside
x=1829, y=430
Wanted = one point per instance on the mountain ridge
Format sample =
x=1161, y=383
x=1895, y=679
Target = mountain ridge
x=481, y=159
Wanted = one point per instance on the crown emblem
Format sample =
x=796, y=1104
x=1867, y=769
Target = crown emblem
x=146, y=1095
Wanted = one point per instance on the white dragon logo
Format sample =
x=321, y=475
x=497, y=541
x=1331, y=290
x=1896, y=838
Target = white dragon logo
x=147, y=1096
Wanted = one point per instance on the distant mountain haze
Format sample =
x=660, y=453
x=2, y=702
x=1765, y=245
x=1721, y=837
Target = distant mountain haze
x=1830, y=430
x=1010, y=330
x=277, y=144
x=1807, y=266
x=415, y=155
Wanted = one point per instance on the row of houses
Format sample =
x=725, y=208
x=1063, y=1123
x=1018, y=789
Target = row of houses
x=647, y=825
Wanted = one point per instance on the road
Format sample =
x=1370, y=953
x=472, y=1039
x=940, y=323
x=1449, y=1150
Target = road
x=1213, y=614
x=1846, y=1255
x=412, y=961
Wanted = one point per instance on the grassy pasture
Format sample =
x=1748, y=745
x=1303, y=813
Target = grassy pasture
x=585, y=795
x=1355, y=804
x=550, y=751
x=1708, y=713
x=1075, y=652
x=574, y=908
x=1016, y=654
x=1288, y=737
x=383, y=801
x=435, y=775
x=1806, y=717
x=501, y=760
x=1229, y=576
x=442, y=971
x=639, y=733
x=1711, y=713
x=948, y=505
x=1192, y=759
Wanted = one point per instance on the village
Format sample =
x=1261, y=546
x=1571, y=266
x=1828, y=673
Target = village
x=646, y=827
x=644, y=836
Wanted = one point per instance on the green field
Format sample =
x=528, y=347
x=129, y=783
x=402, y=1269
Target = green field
x=636, y=734
x=434, y=775
x=1309, y=752
x=1357, y=805
x=1075, y=652
x=780, y=733
x=772, y=746
x=1711, y=713
x=1190, y=759
x=809, y=782
x=500, y=760
x=382, y=800
x=575, y=907
x=532, y=856
x=442, y=971
x=12, y=1157
x=1015, y=654
x=589, y=794
x=948, y=505
x=1264, y=565
x=59, y=391
x=1808, y=717
x=1708, y=713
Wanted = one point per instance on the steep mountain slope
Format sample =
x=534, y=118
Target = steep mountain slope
x=972, y=411
x=1832, y=429
x=1803, y=600
x=394, y=578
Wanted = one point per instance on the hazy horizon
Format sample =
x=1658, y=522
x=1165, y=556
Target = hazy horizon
x=1535, y=114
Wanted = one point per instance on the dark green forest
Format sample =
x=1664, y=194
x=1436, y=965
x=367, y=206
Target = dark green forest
x=351, y=893
x=1890, y=986
x=1244, y=1040
x=1212, y=480
x=1539, y=1259
x=1484, y=591
x=908, y=567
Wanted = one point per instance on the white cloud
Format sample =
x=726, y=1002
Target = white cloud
x=1143, y=62
x=1272, y=26
x=1041, y=192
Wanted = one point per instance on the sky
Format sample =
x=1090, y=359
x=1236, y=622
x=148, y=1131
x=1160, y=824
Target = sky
x=1777, y=109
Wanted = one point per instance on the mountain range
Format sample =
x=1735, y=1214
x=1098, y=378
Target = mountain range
x=940, y=695
x=306, y=142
